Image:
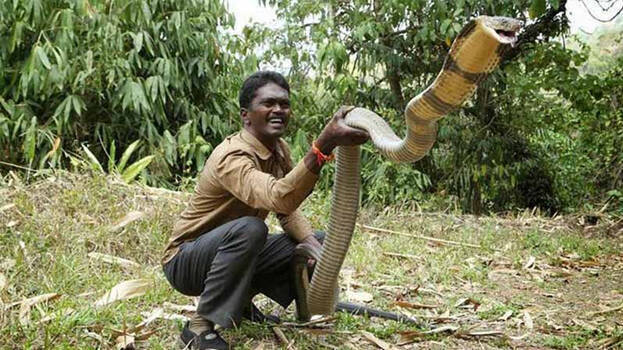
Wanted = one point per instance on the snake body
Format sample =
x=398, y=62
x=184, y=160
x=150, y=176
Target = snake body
x=474, y=54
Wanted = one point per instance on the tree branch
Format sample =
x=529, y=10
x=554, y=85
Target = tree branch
x=550, y=24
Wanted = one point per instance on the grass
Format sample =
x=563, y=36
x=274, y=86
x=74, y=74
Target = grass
x=556, y=271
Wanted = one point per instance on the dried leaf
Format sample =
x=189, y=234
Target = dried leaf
x=362, y=297
x=165, y=316
x=519, y=337
x=467, y=302
x=506, y=315
x=154, y=315
x=129, y=218
x=407, y=337
x=180, y=308
x=57, y=143
x=7, y=207
x=113, y=259
x=527, y=320
x=12, y=223
x=146, y=335
x=25, y=305
x=530, y=263
x=447, y=328
x=376, y=341
x=482, y=333
x=125, y=290
x=94, y=336
x=415, y=305
x=125, y=342
x=3, y=282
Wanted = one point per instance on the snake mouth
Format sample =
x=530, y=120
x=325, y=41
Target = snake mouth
x=507, y=36
x=503, y=29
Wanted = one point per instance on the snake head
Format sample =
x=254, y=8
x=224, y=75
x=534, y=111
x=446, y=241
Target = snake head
x=504, y=29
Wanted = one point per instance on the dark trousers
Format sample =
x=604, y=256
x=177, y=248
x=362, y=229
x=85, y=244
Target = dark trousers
x=227, y=266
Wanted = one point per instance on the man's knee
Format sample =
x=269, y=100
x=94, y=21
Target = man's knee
x=254, y=230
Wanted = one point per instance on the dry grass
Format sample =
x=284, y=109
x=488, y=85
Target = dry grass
x=536, y=282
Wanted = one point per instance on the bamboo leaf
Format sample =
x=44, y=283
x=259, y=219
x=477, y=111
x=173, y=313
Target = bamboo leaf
x=95, y=164
x=126, y=155
x=111, y=157
x=125, y=290
x=77, y=104
x=30, y=141
x=133, y=170
x=43, y=57
x=55, y=146
x=9, y=107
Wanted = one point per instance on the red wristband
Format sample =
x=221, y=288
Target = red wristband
x=321, y=157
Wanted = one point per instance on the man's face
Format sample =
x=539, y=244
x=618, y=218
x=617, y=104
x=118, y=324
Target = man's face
x=268, y=113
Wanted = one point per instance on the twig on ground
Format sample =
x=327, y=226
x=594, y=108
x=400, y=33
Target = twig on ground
x=399, y=255
x=620, y=307
x=432, y=239
x=282, y=338
x=309, y=323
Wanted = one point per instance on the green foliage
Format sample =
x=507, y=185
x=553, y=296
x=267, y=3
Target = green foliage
x=502, y=150
x=127, y=174
x=160, y=71
x=157, y=81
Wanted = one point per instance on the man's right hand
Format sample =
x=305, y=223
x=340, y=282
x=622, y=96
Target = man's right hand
x=337, y=133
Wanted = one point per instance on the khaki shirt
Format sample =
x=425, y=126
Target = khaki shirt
x=243, y=178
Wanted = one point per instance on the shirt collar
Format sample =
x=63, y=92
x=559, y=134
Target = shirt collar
x=262, y=151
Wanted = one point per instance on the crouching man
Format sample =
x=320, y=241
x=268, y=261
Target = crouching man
x=220, y=249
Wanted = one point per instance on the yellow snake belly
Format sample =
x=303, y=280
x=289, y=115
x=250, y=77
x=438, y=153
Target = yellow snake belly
x=473, y=55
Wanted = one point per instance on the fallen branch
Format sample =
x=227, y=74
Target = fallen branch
x=399, y=255
x=620, y=307
x=406, y=304
x=310, y=323
x=432, y=239
x=282, y=338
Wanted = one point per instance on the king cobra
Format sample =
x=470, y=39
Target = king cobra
x=474, y=54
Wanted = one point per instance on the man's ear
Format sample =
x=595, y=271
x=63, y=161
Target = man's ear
x=244, y=115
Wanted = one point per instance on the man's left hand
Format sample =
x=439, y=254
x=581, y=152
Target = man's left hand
x=315, y=244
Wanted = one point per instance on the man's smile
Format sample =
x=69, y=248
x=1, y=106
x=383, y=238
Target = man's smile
x=277, y=121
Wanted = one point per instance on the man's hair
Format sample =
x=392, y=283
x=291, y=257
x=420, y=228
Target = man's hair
x=256, y=81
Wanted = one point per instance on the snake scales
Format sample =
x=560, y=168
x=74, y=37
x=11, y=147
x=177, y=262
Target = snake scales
x=474, y=54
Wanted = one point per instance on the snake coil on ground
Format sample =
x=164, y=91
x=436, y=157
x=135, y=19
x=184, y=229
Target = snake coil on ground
x=473, y=55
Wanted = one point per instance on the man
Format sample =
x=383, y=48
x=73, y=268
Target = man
x=220, y=249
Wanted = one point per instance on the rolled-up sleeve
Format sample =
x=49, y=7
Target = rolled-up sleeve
x=295, y=225
x=238, y=174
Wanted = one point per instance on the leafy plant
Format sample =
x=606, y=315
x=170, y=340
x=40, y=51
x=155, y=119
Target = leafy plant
x=96, y=72
x=128, y=173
